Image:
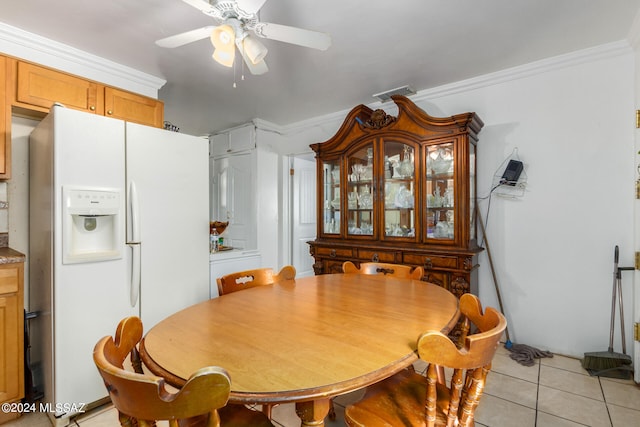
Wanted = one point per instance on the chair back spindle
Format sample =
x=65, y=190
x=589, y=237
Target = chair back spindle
x=395, y=270
x=410, y=399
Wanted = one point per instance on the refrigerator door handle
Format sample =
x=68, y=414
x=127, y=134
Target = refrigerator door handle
x=134, y=281
x=134, y=243
x=134, y=212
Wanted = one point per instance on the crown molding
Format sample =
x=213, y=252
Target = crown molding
x=634, y=32
x=32, y=47
x=572, y=59
x=596, y=53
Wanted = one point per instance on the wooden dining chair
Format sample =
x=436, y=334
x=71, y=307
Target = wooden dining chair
x=249, y=278
x=141, y=399
x=396, y=270
x=240, y=280
x=410, y=399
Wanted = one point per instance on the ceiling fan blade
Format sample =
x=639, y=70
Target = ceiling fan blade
x=250, y=6
x=293, y=35
x=186, y=38
x=255, y=69
x=201, y=5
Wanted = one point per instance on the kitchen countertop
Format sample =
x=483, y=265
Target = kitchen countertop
x=10, y=256
x=232, y=253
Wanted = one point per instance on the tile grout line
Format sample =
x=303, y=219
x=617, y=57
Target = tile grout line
x=535, y=418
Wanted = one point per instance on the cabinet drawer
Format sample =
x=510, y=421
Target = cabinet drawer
x=430, y=261
x=334, y=252
x=376, y=256
x=332, y=267
x=438, y=278
x=8, y=280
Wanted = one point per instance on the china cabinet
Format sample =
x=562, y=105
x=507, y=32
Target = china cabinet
x=400, y=189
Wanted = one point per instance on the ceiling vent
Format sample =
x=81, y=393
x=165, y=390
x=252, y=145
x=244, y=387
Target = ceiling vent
x=404, y=91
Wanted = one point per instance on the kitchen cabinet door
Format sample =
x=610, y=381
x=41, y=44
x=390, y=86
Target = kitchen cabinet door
x=42, y=87
x=234, y=198
x=133, y=107
x=12, y=331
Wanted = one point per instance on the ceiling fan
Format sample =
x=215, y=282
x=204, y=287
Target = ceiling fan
x=238, y=22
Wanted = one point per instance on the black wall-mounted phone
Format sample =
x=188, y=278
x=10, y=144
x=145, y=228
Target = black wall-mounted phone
x=512, y=173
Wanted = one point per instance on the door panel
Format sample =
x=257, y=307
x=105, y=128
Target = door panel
x=303, y=215
x=234, y=200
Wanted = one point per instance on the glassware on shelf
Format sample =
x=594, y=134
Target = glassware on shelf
x=406, y=165
x=358, y=172
x=336, y=176
x=366, y=228
x=404, y=198
x=447, y=198
x=442, y=161
x=336, y=201
x=367, y=172
x=450, y=217
x=365, y=200
x=442, y=229
x=387, y=168
x=435, y=199
x=430, y=223
x=390, y=191
x=331, y=227
x=352, y=200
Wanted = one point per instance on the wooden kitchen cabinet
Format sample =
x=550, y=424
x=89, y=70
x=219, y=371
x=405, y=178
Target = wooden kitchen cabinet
x=133, y=107
x=12, y=332
x=42, y=87
x=30, y=89
x=38, y=88
x=400, y=190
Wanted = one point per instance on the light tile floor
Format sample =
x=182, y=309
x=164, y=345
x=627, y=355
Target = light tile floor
x=555, y=392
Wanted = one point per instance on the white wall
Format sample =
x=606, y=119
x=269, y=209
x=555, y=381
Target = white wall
x=572, y=120
x=268, y=200
x=553, y=248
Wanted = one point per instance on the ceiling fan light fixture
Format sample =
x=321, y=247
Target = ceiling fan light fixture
x=223, y=57
x=254, y=49
x=222, y=35
x=223, y=38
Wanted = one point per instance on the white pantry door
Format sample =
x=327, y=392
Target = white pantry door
x=303, y=214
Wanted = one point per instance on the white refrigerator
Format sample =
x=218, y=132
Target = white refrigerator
x=119, y=226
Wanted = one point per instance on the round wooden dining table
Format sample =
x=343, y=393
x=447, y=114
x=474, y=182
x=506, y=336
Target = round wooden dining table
x=304, y=340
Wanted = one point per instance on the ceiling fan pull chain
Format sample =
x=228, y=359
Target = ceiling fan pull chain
x=234, y=74
x=242, y=62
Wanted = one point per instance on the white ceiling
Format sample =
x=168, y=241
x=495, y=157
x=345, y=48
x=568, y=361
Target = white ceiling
x=377, y=45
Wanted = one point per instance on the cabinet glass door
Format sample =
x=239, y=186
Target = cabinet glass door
x=360, y=192
x=440, y=191
x=331, y=197
x=399, y=189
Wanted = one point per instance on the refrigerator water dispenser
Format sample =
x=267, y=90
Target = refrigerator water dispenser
x=91, y=225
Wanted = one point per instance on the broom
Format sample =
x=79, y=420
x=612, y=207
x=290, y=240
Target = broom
x=610, y=363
